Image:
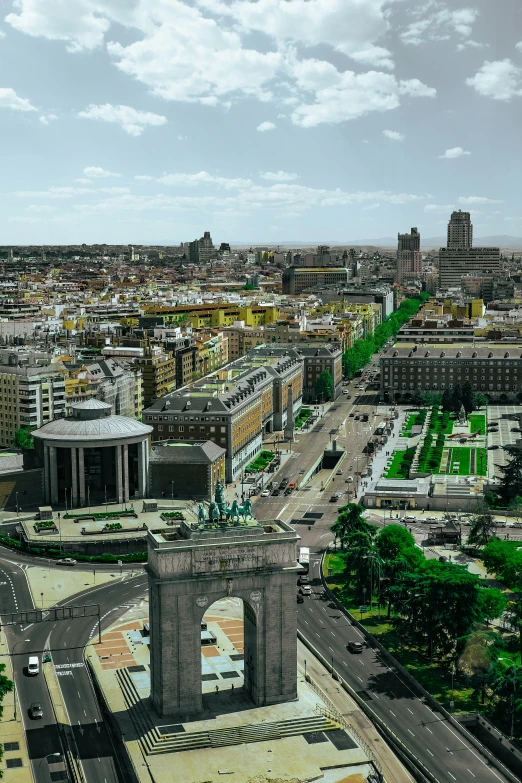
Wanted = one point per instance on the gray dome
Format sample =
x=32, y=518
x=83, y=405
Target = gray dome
x=74, y=428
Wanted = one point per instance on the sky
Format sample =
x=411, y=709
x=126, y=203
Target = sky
x=262, y=121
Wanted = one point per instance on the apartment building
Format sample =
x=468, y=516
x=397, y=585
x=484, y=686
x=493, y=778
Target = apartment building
x=211, y=352
x=409, y=256
x=495, y=370
x=234, y=408
x=208, y=315
x=295, y=279
x=158, y=369
x=242, y=338
x=30, y=396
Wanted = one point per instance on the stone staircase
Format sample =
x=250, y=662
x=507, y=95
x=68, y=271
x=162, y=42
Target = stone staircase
x=153, y=742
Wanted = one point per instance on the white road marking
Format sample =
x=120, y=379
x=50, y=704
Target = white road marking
x=429, y=751
x=471, y=773
x=453, y=776
x=394, y=715
x=409, y=710
x=360, y=678
x=411, y=732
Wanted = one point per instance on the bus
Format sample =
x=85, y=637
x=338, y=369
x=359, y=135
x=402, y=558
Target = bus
x=304, y=558
x=380, y=429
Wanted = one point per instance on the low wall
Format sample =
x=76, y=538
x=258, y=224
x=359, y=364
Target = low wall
x=492, y=738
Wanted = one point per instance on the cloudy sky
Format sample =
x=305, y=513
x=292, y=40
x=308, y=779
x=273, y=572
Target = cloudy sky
x=260, y=120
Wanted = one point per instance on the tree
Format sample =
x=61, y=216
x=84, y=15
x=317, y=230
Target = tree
x=349, y=521
x=481, y=400
x=357, y=562
x=482, y=529
x=23, y=438
x=456, y=398
x=493, y=603
x=324, y=386
x=438, y=605
x=392, y=541
x=511, y=484
x=515, y=507
x=468, y=398
x=6, y=686
x=447, y=400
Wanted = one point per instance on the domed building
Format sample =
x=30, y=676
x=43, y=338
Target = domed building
x=93, y=456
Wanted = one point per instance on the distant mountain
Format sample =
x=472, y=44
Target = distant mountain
x=501, y=240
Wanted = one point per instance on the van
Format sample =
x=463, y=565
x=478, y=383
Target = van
x=33, y=667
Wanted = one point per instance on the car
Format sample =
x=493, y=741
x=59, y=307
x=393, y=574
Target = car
x=334, y=498
x=288, y=491
x=265, y=493
x=306, y=590
x=409, y=518
x=33, y=666
x=300, y=599
x=355, y=647
x=351, y=414
x=348, y=479
x=275, y=493
x=35, y=710
x=443, y=559
x=304, y=579
x=67, y=561
x=338, y=473
x=284, y=482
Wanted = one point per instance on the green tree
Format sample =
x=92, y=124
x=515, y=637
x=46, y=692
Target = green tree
x=511, y=483
x=468, y=397
x=392, y=541
x=456, y=398
x=438, y=605
x=482, y=529
x=23, y=438
x=515, y=507
x=6, y=686
x=357, y=562
x=481, y=400
x=349, y=521
x=447, y=404
x=324, y=386
x=493, y=603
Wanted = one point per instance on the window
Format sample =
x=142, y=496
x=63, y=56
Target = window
x=181, y=428
x=160, y=427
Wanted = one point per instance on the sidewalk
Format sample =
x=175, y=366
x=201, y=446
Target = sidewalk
x=392, y=769
x=12, y=734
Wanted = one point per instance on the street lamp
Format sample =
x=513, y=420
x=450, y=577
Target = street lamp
x=17, y=508
x=49, y=756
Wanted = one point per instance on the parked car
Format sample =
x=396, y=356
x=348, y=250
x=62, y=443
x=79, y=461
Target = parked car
x=35, y=710
x=67, y=561
x=306, y=590
x=355, y=647
x=265, y=493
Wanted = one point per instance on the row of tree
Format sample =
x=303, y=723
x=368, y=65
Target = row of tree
x=356, y=357
x=453, y=398
x=438, y=608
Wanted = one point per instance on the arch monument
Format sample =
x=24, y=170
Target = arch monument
x=196, y=564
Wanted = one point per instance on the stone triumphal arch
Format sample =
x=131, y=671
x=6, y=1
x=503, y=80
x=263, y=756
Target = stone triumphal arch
x=194, y=565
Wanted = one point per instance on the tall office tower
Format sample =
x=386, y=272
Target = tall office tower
x=460, y=231
x=459, y=261
x=409, y=257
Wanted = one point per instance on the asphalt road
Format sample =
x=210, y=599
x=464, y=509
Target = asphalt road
x=66, y=641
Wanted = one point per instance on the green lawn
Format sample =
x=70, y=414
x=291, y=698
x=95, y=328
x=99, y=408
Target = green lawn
x=477, y=421
x=462, y=456
x=400, y=464
x=409, y=424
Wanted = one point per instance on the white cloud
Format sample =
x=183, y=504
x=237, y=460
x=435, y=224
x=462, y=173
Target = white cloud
x=203, y=178
x=45, y=119
x=10, y=100
x=469, y=200
x=279, y=176
x=470, y=44
x=440, y=25
x=144, y=178
x=436, y=208
x=372, y=206
x=348, y=26
x=454, y=152
x=519, y=46
x=266, y=126
x=394, y=135
x=53, y=192
x=41, y=209
x=500, y=80
x=349, y=96
x=131, y=120
x=376, y=56
x=96, y=172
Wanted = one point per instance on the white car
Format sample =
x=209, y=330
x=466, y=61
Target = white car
x=410, y=519
x=265, y=493
x=348, y=479
x=67, y=561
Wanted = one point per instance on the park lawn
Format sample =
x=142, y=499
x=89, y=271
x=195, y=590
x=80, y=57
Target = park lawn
x=303, y=415
x=262, y=461
x=409, y=424
x=462, y=455
x=477, y=421
x=395, y=470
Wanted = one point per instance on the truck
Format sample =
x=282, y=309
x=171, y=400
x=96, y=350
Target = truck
x=304, y=559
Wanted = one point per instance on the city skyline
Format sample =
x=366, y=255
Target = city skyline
x=260, y=121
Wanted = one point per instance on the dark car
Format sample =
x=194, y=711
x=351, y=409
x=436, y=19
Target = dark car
x=35, y=710
x=275, y=493
x=355, y=647
x=304, y=579
x=300, y=599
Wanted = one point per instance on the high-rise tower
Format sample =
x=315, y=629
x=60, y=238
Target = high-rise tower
x=409, y=258
x=460, y=231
